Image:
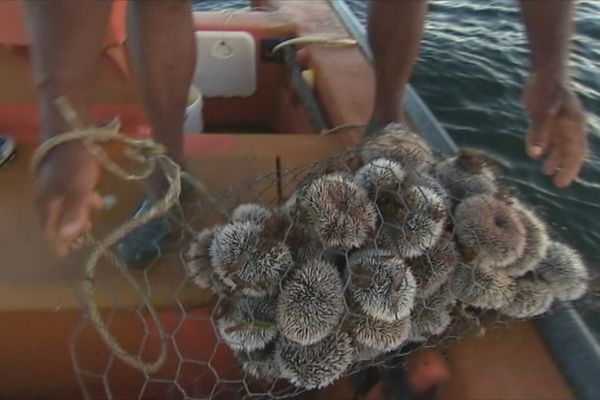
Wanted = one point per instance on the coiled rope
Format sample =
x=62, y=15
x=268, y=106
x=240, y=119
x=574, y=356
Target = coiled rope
x=150, y=155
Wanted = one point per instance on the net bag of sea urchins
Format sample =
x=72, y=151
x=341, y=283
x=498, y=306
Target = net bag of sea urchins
x=382, y=249
x=375, y=251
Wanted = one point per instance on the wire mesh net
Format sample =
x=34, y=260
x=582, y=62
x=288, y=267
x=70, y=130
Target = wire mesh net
x=290, y=281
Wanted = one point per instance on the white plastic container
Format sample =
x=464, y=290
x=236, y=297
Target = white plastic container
x=193, y=121
x=226, y=64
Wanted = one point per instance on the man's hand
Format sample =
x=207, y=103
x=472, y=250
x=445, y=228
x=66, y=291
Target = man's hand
x=65, y=199
x=557, y=130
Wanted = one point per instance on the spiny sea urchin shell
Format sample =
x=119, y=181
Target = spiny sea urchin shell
x=378, y=335
x=490, y=231
x=365, y=353
x=432, y=269
x=250, y=212
x=481, y=287
x=536, y=244
x=311, y=302
x=423, y=179
x=250, y=324
x=196, y=259
x=247, y=262
x=381, y=285
x=338, y=211
x=399, y=144
x=564, y=271
x=411, y=223
x=380, y=174
x=260, y=364
x=315, y=366
x=287, y=227
x=532, y=296
x=467, y=174
x=431, y=316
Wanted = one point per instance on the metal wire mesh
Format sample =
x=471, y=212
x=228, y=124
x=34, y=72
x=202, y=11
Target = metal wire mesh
x=288, y=282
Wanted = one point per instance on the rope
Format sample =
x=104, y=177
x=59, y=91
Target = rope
x=342, y=127
x=149, y=154
x=142, y=151
x=321, y=40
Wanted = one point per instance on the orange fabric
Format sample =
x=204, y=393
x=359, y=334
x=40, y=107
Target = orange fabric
x=13, y=32
x=118, y=55
x=22, y=120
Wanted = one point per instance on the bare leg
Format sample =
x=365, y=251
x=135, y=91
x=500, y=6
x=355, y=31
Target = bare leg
x=395, y=30
x=163, y=49
x=66, y=43
x=164, y=54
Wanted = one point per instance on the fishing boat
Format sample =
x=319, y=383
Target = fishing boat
x=291, y=107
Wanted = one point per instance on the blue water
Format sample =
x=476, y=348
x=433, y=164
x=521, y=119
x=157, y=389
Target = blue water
x=470, y=71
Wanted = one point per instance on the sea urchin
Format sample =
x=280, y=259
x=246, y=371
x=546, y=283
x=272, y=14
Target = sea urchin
x=481, y=287
x=564, y=271
x=196, y=259
x=311, y=302
x=489, y=230
x=315, y=366
x=381, y=285
x=247, y=262
x=412, y=222
x=338, y=211
x=249, y=325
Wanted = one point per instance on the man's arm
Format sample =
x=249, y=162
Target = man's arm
x=558, y=129
x=66, y=43
x=549, y=25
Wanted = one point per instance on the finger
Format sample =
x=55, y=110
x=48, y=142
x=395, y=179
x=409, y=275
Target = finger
x=571, y=166
x=73, y=225
x=96, y=201
x=572, y=147
x=77, y=221
x=75, y=218
x=76, y=243
x=68, y=244
x=50, y=214
x=62, y=248
x=537, y=139
x=553, y=162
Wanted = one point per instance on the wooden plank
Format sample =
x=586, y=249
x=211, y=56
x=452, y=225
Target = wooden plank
x=506, y=363
x=32, y=279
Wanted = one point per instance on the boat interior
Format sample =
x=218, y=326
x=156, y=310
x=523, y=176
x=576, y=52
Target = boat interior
x=309, y=103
